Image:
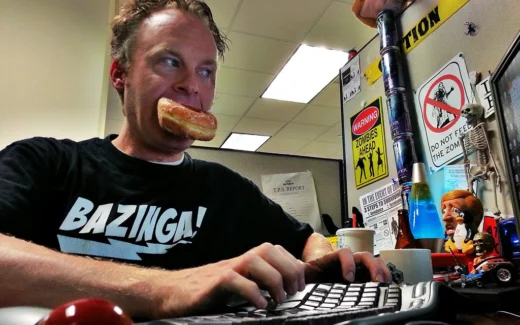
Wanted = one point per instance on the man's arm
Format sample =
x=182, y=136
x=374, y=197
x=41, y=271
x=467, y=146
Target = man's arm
x=36, y=276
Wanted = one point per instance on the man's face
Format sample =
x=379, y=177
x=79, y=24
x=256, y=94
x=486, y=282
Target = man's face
x=450, y=211
x=174, y=57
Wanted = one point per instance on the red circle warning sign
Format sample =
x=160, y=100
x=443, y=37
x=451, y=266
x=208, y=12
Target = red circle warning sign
x=437, y=102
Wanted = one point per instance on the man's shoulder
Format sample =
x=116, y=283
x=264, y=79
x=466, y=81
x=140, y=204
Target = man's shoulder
x=219, y=170
x=51, y=147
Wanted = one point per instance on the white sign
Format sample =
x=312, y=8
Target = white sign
x=350, y=79
x=439, y=102
x=485, y=96
x=379, y=209
x=455, y=178
x=296, y=194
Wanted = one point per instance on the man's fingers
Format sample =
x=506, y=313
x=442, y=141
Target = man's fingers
x=283, y=263
x=235, y=283
x=373, y=265
x=386, y=271
x=300, y=272
x=266, y=275
x=348, y=265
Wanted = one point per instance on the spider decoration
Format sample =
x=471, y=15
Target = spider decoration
x=471, y=28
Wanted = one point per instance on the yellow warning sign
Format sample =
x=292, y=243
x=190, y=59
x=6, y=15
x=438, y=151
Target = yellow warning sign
x=368, y=144
x=427, y=25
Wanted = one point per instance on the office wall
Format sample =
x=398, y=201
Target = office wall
x=497, y=25
x=53, y=68
x=326, y=172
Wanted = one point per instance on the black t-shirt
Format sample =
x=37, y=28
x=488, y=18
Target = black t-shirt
x=89, y=198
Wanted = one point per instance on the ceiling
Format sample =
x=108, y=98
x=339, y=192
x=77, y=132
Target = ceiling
x=263, y=35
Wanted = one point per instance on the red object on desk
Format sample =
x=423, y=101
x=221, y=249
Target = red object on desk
x=354, y=220
x=87, y=312
x=440, y=260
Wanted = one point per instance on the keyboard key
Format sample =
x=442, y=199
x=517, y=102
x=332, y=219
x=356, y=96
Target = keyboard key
x=352, y=293
x=369, y=294
x=350, y=299
x=312, y=303
x=339, y=286
x=319, y=293
x=337, y=291
x=288, y=305
x=332, y=301
x=316, y=298
x=354, y=289
x=324, y=287
x=371, y=290
x=327, y=305
x=301, y=295
x=334, y=296
x=305, y=307
x=372, y=285
x=353, y=285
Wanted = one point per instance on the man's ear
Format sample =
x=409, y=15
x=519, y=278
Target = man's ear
x=117, y=76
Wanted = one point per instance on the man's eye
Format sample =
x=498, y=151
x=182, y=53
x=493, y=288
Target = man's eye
x=207, y=73
x=456, y=210
x=171, y=62
x=443, y=211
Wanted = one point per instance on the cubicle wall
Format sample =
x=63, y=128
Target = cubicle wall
x=326, y=173
x=496, y=26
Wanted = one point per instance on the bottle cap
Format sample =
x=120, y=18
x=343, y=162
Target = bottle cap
x=419, y=173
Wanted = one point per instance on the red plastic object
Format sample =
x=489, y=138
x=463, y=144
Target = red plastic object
x=87, y=312
x=440, y=260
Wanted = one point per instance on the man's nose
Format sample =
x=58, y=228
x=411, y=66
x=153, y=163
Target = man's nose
x=447, y=217
x=187, y=84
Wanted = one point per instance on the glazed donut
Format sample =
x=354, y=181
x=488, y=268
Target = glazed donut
x=186, y=122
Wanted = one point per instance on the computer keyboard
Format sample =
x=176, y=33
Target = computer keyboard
x=334, y=303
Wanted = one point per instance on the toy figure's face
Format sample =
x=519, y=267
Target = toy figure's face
x=451, y=214
x=483, y=243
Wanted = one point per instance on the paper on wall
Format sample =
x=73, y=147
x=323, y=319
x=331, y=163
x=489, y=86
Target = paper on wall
x=350, y=79
x=455, y=178
x=379, y=209
x=296, y=194
x=486, y=97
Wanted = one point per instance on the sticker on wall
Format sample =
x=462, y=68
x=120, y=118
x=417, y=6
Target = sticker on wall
x=438, y=15
x=368, y=144
x=486, y=97
x=350, y=79
x=439, y=103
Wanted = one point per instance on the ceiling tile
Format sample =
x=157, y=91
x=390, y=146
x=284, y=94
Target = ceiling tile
x=217, y=141
x=258, y=126
x=223, y=11
x=241, y=82
x=302, y=131
x=255, y=53
x=288, y=20
x=329, y=96
x=319, y=115
x=322, y=149
x=333, y=135
x=339, y=29
x=226, y=123
x=231, y=104
x=114, y=111
x=278, y=144
x=271, y=109
x=112, y=126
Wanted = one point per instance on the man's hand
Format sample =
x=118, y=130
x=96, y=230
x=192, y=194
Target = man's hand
x=341, y=265
x=201, y=289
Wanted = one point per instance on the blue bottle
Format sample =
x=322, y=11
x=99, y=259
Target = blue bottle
x=424, y=218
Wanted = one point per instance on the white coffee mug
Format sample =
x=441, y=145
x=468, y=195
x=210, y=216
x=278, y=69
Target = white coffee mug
x=357, y=239
x=415, y=264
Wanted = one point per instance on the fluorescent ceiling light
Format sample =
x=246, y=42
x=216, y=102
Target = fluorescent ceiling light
x=308, y=71
x=247, y=142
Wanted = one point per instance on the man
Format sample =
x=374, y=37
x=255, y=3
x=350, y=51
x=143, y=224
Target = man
x=460, y=208
x=194, y=231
